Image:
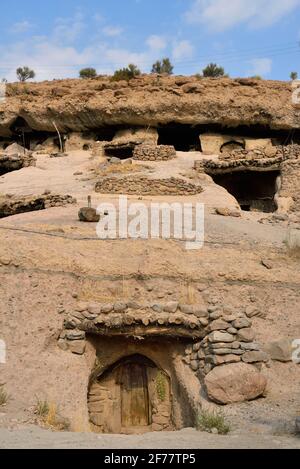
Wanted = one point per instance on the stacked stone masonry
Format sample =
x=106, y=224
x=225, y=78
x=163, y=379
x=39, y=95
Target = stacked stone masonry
x=154, y=153
x=12, y=205
x=218, y=336
x=145, y=186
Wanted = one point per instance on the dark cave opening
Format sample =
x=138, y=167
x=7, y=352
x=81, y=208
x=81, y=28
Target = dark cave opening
x=254, y=190
x=182, y=137
x=123, y=152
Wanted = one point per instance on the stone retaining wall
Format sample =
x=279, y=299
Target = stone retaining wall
x=133, y=185
x=154, y=152
x=13, y=205
x=290, y=171
x=213, y=167
x=222, y=336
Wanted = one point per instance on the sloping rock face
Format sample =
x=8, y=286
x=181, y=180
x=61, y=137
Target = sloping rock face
x=237, y=382
x=149, y=100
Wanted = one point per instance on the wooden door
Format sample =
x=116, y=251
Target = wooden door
x=134, y=396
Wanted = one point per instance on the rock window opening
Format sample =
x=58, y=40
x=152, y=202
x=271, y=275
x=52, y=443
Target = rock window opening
x=231, y=146
x=183, y=137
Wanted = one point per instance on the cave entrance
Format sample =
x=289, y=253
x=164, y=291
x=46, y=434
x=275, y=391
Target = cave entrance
x=183, y=137
x=121, y=151
x=254, y=190
x=131, y=396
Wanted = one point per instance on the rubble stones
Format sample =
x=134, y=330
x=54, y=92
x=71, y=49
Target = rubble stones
x=17, y=204
x=154, y=152
x=138, y=185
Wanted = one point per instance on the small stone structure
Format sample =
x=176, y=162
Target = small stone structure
x=15, y=160
x=12, y=205
x=154, y=152
x=126, y=140
x=282, y=159
x=217, y=337
x=134, y=185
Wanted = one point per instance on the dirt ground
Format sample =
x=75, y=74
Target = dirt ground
x=35, y=438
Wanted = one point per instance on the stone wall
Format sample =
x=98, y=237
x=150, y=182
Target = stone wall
x=12, y=205
x=223, y=336
x=154, y=152
x=229, y=339
x=242, y=164
x=133, y=185
x=290, y=171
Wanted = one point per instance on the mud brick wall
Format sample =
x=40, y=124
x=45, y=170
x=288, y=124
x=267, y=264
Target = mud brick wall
x=144, y=186
x=154, y=153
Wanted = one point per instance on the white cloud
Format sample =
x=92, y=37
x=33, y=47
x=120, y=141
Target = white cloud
x=260, y=67
x=220, y=15
x=52, y=60
x=112, y=31
x=20, y=27
x=156, y=43
x=183, y=50
x=67, y=30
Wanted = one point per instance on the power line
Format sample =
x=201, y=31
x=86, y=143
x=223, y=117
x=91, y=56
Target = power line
x=228, y=56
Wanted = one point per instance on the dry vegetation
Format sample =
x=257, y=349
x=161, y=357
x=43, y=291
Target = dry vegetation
x=3, y=396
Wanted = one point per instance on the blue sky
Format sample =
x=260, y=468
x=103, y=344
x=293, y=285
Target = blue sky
x=59, y=37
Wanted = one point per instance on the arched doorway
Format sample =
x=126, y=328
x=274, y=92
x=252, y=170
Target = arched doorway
x=133, y=395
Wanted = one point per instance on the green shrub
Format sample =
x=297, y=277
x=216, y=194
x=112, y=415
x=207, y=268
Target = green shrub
x=208, y=421
x=294, y=76
x=88, y=73
x=161, y=386
x=24, y=73
x=163, y=66
x=214, y=71
x=126, y=73
x=41, y=408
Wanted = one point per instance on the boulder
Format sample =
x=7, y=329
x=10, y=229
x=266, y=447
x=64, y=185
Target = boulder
x=14, y=148
x=297, y=423
x=237, y=382
x=88, y=215
x=280, y=350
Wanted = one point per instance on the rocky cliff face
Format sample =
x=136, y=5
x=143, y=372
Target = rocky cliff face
x=80, y=105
